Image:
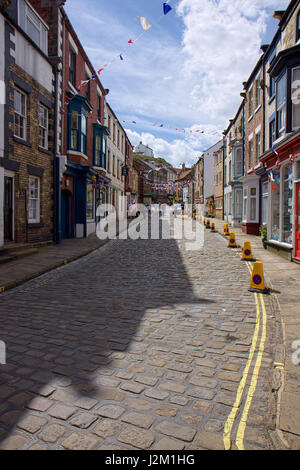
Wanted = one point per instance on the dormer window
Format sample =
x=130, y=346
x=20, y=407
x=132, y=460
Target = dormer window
x=33, y=25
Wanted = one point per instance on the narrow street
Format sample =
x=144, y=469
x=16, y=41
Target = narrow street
x=140, y=345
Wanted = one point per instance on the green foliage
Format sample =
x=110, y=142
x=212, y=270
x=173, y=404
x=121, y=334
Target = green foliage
x=263, y=231
x=139, y=156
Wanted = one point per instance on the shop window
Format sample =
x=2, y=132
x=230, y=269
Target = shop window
x=265, y=202
x=275, y=214
x=90, y=202
x=34, y=200
x=287, y=213
x=296, y=98
x=20, y=114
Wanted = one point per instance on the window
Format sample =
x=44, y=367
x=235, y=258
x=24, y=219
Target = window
x=239, y=162
x=118, y=141
x=103, y=152
x=87, y=88
x=250, y=154
x=258, y=145
x=34, y=200
x=99, y=107
x=114, y=133
x=296, y=97
x=98, y=150
x=258, y=95
x=19, y=114
x=83, y=142
x=265, y=202
x=238, y=203
x=251, y=102
x=245, y=204
x=33, y=26
x=272, y=130
x=281, y=105
x=272, y=87
x=72, y=66
x=298, y=28
x=118, y=169
x=108, y=162
x=90, y=202
x=109, y=123
x=43, y=127
x=114, y=165
x=74, y=129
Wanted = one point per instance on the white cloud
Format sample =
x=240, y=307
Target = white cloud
x=195, y=83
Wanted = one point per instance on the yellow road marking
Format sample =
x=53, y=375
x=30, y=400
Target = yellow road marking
x=242, y=426
x=230, y=420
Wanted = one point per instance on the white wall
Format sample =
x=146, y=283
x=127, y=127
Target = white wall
x=30, y=60
x=209, y=171
x=2, y=102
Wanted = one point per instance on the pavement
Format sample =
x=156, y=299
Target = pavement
x=143, y=344
x=283, y=277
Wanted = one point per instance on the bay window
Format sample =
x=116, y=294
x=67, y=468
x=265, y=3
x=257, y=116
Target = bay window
x=287, y=213
x=100, y=145
x=281, y=105
x=83, y=140
x=90, y=202
x=74, y=129
x=33, y=25
x=238, y=162
x=295, y=98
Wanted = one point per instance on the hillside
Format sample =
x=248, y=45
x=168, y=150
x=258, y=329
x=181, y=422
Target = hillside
x=139, y=156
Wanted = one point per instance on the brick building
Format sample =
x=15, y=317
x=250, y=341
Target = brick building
x=27, y=157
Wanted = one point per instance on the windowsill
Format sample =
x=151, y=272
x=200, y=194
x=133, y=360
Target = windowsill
x=251, y=117
x=281, y=244
x=22, y=141
x=35, y=224
x=41, y=149
x=75, y=152
x=277, y=141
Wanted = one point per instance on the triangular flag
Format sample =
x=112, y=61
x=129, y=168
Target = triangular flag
x=100, y=70
x=121, y=57
x=130, y=41
x=144, y=23
x=167, y=8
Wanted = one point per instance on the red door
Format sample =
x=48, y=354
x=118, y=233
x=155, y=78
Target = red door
x=297, y=254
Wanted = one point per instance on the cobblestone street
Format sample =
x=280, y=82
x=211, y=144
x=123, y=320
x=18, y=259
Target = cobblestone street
x=140, y=345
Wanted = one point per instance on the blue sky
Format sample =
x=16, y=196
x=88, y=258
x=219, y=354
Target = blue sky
x=185, y=72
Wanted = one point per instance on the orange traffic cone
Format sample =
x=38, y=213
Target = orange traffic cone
x=232, y=241
x=226, y=230
x=247, y=252
x=208, y=223
x=212, y=229
x=257, y=283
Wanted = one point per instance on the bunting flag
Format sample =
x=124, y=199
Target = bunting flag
x=144, y=23
x=121, y=57
x=277, y=155
x=292, y=158
x=166, y=8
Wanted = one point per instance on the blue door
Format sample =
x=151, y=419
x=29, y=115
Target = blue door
x=65, y=214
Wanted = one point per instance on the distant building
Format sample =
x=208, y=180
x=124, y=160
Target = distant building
x=144, y=150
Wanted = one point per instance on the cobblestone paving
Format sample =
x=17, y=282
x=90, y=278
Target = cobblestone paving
x=139, y=346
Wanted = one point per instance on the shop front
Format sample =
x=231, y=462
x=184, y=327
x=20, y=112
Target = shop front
x=250, y=224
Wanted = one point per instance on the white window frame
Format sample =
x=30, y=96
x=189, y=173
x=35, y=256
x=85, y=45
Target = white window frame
x=44, y=129
x=24, y=117
x=245, y=204
x=251, y=198
x=238, y=215
x=36, y=220
x=265, y=195
x=36, y=21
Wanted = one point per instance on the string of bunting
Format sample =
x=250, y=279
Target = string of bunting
x=146, y=26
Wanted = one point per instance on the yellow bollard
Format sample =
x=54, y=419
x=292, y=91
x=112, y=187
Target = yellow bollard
x=212, y=229
x=247, y=252
x=204, y=222
x=257, y=283
x=208, y=223
x=226, y=229
x=231, y=241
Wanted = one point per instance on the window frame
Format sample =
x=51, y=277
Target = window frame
x=38, y=198
x=282, y=108
x=35, y=21
x=45, y=129
x=22, y=116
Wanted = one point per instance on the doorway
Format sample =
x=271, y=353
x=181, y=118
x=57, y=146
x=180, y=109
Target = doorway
x=65, y=214
x=8, y=208
x=297, y=235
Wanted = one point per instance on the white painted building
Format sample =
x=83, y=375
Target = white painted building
x=144, y=150
x=208, y=156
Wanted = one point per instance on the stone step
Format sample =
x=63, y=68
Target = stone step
x=6, y=257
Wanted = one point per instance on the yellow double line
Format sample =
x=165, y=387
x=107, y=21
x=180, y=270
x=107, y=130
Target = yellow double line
x=232, y=416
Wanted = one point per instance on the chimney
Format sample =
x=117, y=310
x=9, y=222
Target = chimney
x=264, y=47
x=183, y=167
x=278, y=14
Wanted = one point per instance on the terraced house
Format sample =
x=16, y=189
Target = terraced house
x=27, y=131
